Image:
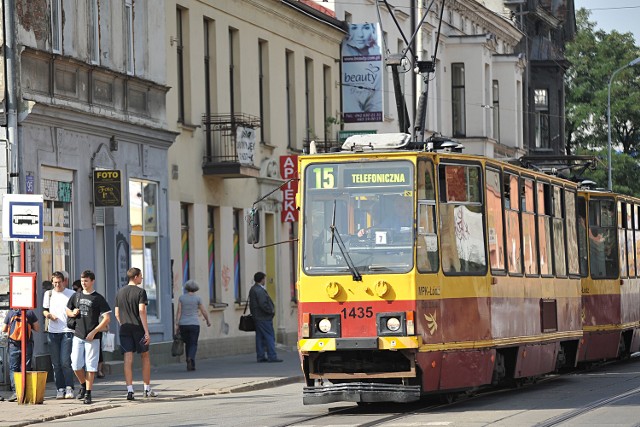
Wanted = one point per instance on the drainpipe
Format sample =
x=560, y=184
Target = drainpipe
x=13, y=148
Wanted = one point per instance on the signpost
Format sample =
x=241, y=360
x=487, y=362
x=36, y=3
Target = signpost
x=22, y=216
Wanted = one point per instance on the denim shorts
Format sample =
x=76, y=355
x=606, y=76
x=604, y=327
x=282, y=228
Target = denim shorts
x=85, y=354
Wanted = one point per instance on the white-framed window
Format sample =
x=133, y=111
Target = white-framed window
x=128, y=22
x=56, y=26
x=145, y=245
x=56, y=186
x=94, y=32
x=542, y=133
x=458, y=99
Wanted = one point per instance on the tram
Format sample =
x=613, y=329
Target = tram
x=609, y=239
x=424, y=270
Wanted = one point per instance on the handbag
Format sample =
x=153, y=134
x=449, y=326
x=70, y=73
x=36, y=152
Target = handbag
x=71, y=321
x=177, y=348
x=108, y=341
x=46, y=319
x=247, y=323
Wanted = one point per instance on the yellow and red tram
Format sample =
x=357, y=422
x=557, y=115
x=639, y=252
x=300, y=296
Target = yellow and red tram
x=477, y=283
x=610, y=253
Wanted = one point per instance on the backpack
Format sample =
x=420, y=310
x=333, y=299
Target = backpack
x=15, y=327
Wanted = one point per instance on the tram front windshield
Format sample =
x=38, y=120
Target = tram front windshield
x=371, y=206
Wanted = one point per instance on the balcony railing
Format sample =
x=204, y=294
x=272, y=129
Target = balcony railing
x=222, y=156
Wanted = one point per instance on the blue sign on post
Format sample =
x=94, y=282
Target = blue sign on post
x=22, y=217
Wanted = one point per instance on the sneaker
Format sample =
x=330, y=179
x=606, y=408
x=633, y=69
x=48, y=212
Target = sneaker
x=82, y=393
x=130, y=396
x=68, y=394
x=13, y=398
x=60, y=393
x=87, y=400
x=150, y=393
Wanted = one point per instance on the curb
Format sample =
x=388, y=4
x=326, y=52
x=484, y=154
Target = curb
x=260, y=385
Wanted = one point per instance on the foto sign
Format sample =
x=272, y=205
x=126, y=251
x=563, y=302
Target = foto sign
x=22, y=217
x=22, y=291
x=107, y=188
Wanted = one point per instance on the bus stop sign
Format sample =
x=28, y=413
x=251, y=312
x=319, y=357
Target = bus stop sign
x=22, y=216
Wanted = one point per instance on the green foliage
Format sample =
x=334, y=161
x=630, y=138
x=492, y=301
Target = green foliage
x=625, y=171
x=594, y=56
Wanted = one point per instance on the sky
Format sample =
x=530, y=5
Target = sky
x=620, y=15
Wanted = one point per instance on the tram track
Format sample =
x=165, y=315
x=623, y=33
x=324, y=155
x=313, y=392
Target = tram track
x=401, y=411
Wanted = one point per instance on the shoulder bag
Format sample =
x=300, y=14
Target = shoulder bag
x=71, y=321
x=247, y=323
x=177, y=348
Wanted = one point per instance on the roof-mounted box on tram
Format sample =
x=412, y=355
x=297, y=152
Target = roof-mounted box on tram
x=399, y=141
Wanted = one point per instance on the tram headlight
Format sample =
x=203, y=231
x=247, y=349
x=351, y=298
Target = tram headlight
x=324, y=325
x=393, y=324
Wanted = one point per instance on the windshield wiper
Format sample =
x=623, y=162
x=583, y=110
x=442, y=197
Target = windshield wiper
x=335, y=236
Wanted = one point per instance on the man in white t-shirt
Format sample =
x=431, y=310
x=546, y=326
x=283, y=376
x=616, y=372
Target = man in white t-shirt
x=59, y=336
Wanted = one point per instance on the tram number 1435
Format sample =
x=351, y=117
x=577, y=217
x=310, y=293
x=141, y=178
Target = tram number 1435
x=358, y=312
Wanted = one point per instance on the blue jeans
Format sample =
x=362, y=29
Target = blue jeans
x=60, y=348
x=190, y=334
x=15, y=357
x=265, y=340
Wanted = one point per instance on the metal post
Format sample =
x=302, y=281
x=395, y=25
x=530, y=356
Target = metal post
x=630, y=64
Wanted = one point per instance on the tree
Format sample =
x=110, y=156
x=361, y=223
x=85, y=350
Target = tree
x=594, y=55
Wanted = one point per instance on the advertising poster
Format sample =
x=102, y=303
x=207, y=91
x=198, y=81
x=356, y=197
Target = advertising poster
x=362, y=74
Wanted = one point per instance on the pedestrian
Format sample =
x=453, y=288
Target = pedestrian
x=87, y=306
x=263, y=310
x=59, y=336
x=131, y=312
x=187, y=321
x=12, y=325
x=77, y=285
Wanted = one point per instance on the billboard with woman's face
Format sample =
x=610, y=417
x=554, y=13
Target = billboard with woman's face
x=362, y=74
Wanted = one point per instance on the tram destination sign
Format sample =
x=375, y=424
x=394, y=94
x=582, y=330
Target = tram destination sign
x=397, y=176
x=107, y=188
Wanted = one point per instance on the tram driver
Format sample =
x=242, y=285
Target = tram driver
x=396, y=215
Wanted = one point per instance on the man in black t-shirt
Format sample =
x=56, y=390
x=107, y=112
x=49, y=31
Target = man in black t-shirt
x=131, y=312
x=87, y=306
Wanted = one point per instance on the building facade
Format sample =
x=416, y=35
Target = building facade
x=86, y=90
x=251, y=81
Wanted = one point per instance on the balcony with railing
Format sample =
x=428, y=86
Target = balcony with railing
x=230, y=145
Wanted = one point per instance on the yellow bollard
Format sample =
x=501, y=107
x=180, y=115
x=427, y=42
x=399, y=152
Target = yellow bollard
x=36, y=386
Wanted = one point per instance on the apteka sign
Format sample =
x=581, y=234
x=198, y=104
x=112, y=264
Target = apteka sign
x=289, y=170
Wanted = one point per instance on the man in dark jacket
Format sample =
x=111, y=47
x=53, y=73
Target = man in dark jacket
x=263, y=310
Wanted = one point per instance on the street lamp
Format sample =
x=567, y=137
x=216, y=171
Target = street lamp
x=630, y=64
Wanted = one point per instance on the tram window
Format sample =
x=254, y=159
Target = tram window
x=603, y=248
x=495, y=228
x=581, y=209
x=559, y=253
x=544, y=227
x=529, y=239
x=512, y=222
x=637, y=238
x=573, y=257
x=426, y=186
x=631, y=262
x=462, y=241
x=427, y=243
x=622, y=239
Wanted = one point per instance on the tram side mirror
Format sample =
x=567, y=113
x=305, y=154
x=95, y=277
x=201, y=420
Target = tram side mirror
x=253, y=229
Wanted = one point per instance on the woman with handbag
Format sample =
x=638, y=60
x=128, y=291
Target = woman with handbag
x=187, y=321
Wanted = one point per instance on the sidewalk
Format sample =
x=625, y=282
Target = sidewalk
x=229, y=374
